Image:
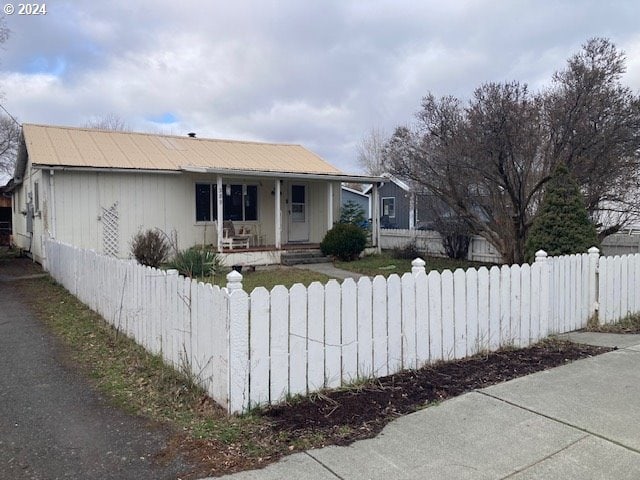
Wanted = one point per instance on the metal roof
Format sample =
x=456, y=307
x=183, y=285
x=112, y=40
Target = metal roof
x=54, y=146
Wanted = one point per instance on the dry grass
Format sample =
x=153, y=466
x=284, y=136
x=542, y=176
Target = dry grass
x=629, y=324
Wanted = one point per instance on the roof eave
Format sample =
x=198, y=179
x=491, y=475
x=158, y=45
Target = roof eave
x=338, y=177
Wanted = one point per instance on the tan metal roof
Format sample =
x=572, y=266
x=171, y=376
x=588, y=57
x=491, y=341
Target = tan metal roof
x=88, y=148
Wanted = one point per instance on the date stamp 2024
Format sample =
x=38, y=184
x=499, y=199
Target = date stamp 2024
x=25, y=8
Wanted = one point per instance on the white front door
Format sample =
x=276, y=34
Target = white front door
x=298, y=213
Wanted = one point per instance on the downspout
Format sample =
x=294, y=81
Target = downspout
x=329, y=206
x=52, y=202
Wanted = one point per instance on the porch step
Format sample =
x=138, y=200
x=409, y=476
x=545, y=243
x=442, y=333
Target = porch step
x=303, y=256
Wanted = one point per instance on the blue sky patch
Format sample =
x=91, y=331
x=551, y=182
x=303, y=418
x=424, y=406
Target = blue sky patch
x=165, y=118
x=50, y=66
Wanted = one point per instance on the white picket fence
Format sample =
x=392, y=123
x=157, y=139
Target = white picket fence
x=255, y=349
x=430, y=242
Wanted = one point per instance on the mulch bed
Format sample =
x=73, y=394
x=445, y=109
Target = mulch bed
x=340, y=417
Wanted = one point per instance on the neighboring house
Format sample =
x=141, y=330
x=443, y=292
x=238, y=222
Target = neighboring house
x=403, y=207
x=363, y=200
x=5, y=214
x=97, y=189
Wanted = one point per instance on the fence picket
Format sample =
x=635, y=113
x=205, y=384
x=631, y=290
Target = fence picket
x=279, y=346
x=349, y=317
x=298, y=340
x=505, y=307
x=524, y=336
x=422, y=319
x=408, y=328
x=380, y=365
x=365, y=328
x=316, y=342
x=459, y=314
x=332, y=334
x=482, y=341
x=514, y=305
x=435, y=316
x=394, y=323
x=448, y=333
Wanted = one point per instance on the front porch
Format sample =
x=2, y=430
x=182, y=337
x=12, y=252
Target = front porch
x=265, y=255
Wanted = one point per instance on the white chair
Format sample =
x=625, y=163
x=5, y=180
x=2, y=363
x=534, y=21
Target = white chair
x=230, y=239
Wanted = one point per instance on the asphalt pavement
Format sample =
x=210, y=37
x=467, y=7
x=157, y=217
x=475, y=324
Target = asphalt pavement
x=578, y=421
x=53, y=424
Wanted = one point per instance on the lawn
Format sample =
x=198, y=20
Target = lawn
x=385, y=264
x=269, y=277
x=371, y=265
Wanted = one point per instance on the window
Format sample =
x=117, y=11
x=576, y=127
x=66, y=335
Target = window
x=239, y=202
x=389, y=207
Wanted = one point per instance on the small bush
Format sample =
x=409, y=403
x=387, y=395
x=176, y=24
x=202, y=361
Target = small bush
x=408, y=252
x=344, y=241
x=150, y=247
x=196, y=262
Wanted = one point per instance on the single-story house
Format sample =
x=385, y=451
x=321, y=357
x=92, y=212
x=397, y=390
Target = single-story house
x=96, y=189
x=363, y=200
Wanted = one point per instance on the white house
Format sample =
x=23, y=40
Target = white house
x=96, y=189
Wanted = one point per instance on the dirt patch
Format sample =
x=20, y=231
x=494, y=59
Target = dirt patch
x=14, y=267
x=341, y=417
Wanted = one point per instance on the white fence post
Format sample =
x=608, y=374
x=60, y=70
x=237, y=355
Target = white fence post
x=418, y=266
x=234, y=281
x=594, y=255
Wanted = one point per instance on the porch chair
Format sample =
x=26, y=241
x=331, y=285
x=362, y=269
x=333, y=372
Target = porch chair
x=229, y=237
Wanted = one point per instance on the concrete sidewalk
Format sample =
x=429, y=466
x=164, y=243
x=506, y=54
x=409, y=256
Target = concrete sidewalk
x=578, y=421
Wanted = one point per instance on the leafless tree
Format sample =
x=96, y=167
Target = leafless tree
x=593, y=124
x=370, y=151
x=489, y=160
x=110, y=121
x=9, y=140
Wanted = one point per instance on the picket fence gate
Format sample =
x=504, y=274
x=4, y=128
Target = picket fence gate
x=259, y=348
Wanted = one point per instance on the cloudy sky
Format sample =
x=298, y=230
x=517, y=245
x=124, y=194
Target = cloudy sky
x=318, y=73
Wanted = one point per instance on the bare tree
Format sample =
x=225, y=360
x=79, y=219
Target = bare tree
x=489, y=160
x=110, y=121
x=370, y=151
x=593, y=125
x=483, y=161
x=9, y=140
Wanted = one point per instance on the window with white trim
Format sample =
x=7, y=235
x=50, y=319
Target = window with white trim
x=240, y=202
x=389, y=207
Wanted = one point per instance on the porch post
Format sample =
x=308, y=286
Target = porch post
x=412, y=211
x=375, y=217
x=278, y=219
x=219, y=211
x=329, y=205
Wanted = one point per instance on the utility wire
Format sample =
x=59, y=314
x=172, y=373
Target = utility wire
x=10, y=116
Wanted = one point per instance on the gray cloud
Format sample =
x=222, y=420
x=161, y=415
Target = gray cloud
x=317, y=73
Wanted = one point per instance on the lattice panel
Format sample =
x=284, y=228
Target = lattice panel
x=110, y=230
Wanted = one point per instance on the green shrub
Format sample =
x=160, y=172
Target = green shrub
x=196, y=262
x=562, y=225
x=353, y=213
x=150, y=247
x=344, y=241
